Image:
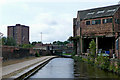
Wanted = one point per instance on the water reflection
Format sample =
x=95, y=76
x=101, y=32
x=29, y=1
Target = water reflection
x=84, y=70
x=66, y=69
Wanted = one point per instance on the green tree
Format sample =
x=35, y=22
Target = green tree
x=4, y=40
x=65, y=42
x=9, y=41
x=70, y=38
x=34, y=43
x=92, y=47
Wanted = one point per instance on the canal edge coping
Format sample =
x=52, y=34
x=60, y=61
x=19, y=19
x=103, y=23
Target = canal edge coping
x=32, y=71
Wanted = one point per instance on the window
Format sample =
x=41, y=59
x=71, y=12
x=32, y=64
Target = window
x=104, y=21
x=93, y=22
x=109, y=20
x=96, y=22
x=117, y=21
x=87, y=22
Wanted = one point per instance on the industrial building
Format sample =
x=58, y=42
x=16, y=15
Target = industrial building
x=101, y=24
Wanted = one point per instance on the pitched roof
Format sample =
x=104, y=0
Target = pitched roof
x=98, y=12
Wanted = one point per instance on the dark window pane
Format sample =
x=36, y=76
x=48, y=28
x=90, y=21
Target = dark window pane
x=93, y=22
x=109, y=20
x=87, y=22
x=117, y=21
x=97, y=21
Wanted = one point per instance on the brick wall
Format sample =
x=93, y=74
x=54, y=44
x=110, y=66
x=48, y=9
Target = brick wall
x=21, y=33
x=97, y=29
x=10, y=52
x=117, y=16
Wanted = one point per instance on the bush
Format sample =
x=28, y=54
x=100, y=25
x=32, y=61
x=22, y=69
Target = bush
x=77, y=58
x=103, y=61
x=37, y=54
x=92, y=46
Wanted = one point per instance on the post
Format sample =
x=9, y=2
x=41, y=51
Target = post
x=96, y=45
x=81, y=45
x=41, y=37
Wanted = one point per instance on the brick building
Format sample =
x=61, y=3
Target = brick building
x=101, y=24
x=20, y=33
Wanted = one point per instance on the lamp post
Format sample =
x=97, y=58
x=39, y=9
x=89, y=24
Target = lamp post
x=41, y=37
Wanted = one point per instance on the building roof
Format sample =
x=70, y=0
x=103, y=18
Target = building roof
x=19, y=25
x=98, y=12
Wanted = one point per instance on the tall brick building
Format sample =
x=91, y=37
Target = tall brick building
x=20, y=33
x=101, y=24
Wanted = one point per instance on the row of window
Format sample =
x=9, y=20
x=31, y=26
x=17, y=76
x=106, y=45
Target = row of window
x=104, y=21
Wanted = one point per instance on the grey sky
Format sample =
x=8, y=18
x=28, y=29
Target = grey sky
x=51, y=17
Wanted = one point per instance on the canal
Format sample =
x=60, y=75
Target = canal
x=67, y=68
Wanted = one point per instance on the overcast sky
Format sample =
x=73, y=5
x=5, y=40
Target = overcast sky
x=51, y=17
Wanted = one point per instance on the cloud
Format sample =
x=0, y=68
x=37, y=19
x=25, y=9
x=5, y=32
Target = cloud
x=54, y=1
x=53, y=27
x=53, y=20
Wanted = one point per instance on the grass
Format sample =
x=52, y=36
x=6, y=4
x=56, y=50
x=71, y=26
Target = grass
x=67, y=53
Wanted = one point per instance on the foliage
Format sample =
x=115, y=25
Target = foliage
x=70, y=38
x=67, y=53
x=60, y=42
x=34, y=43
x=118, y=64
x=77, y=58
x=26, y=46
x=102, y=61
x=92, y=47
x=37, y=54
x=9, y=41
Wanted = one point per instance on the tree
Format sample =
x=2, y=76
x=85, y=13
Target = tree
x=9, y=41
x=70, y=38
x=65, y=42
x=92, y=47
x=4, y=40
x=34, y=43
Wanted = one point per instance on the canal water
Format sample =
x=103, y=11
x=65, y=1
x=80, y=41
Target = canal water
x=67, y=68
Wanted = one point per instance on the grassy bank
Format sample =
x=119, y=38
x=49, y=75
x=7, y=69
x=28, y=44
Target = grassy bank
x=104, y=63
